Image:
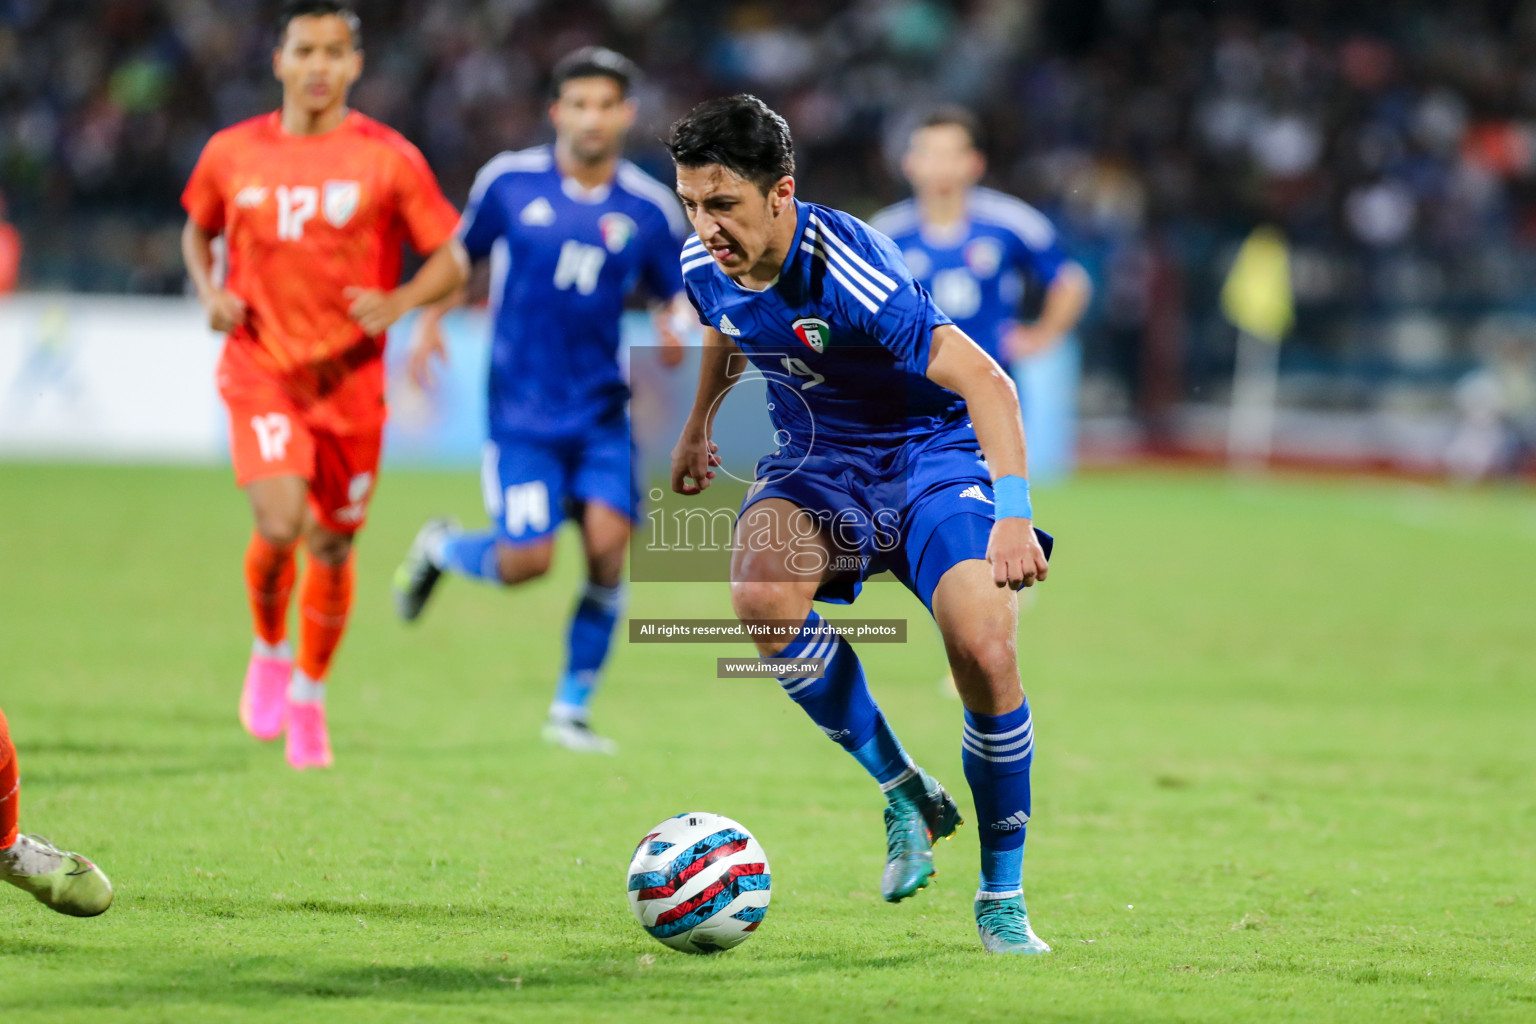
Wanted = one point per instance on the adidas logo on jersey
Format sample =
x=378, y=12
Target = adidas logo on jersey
x=1012, y=823
x=538, y=213
x=974, y=491
x=251, y=197
x=726, y=327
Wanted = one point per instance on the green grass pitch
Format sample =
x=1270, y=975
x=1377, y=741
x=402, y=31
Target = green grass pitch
x=1286, y=771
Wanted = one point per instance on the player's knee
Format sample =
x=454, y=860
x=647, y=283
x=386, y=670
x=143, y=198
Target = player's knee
x=280, y=527
x=757, y=600
x=518, y=563
x=328, y=547
x=989, y=655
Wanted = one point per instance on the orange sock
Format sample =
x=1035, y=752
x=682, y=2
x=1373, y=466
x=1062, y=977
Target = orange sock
x=269, y=572
x=324, y=604
x=10, y=786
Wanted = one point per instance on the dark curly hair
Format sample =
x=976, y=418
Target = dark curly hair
x=740, y=133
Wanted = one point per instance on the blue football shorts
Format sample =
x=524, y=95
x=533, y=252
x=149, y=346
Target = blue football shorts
x=531, y=485
x=915, y=510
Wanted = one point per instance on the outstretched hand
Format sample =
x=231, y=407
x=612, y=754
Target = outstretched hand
x=427, y=347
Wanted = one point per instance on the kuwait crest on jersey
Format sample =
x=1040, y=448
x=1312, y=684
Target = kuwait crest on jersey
x=983, y=256
x=617, y=230
x=338, y=201
x=814, y=332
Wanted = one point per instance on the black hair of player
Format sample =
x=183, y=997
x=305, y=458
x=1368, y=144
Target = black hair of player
x=740, y=133
x=593, y=62
x=319, y=9
x=954, y=116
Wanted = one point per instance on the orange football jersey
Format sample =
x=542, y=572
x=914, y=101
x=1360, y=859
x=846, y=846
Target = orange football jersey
x=306, y=217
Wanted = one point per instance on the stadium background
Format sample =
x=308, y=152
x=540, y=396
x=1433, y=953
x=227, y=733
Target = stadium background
x=1393, y=145
x=1285, y=758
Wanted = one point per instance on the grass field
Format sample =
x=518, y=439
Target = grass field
x=1287, y=744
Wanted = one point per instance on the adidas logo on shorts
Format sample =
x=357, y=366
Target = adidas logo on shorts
x=974, y=491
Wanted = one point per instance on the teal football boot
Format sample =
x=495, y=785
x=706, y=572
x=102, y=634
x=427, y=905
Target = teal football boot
x=940, y=812
x=1004, y=927
x=913, y=820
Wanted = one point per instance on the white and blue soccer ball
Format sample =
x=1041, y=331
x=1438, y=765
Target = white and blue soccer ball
x=699, y=882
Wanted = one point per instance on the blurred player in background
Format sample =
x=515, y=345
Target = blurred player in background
x=974, y=249
x=314, y=203
x=901, y=448
x=64, y=881
x=569, y=229
x=1497, y=402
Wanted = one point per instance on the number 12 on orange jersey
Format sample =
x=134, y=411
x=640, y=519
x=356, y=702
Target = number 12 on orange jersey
x=295, y=205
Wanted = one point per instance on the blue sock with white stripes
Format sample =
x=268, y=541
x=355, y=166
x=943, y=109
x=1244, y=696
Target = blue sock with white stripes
x=997, y=751
x=472, y=555
x=586, y=648
x=839, y=701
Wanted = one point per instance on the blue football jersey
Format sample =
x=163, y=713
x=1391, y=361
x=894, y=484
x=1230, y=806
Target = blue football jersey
x=563, y=261
x=978, y=274
x=842, y=337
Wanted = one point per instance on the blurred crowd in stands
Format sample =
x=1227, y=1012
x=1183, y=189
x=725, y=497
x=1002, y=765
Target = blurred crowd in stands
x=1395, y=144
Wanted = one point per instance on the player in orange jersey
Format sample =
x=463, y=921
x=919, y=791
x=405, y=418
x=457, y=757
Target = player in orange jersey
x=64, y=881
x=314, y=202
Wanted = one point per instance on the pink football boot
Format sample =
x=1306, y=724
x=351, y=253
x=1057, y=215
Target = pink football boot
x=309, y=741
x=264, y=700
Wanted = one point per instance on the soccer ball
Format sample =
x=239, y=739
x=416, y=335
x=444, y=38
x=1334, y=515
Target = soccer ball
x=699, y=883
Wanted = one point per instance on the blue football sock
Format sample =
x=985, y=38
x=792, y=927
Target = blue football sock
x=472, y=555
x=997, y=752
x=838, y=700
x=586, y=647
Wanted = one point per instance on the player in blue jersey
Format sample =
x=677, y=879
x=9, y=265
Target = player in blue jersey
x=900, y=447
x=975, y=249
x=569, y=229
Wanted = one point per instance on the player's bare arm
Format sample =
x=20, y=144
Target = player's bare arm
x=958, y=363
x=226, y=310
x=444, y=273
x=1066, y=299
x=695, y=453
